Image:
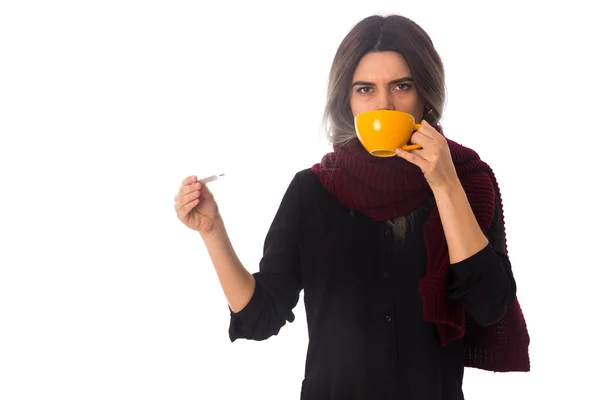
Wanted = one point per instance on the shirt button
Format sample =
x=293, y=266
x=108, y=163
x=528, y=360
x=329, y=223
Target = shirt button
x=386, y=275
x=392, y=364
x=388, y=318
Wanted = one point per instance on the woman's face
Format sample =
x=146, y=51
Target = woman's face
x=382, y=81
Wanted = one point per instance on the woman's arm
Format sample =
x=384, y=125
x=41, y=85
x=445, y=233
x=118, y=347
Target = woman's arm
x=237, y=283
x=462, y=231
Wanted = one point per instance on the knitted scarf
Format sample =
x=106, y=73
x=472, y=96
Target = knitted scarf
x=385, y=188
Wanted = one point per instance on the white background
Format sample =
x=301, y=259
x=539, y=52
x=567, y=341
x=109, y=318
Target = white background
x=105, y=106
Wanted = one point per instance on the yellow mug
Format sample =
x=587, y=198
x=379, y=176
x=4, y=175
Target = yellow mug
x=381, y=132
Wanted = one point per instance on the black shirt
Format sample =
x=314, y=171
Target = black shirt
x=367, y=335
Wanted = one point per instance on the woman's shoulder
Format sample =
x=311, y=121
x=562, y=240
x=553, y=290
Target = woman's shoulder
x=307, y=177
x=310, y=185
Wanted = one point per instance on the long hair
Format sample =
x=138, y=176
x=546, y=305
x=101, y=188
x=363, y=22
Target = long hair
x=384, y=33
x=379, y=33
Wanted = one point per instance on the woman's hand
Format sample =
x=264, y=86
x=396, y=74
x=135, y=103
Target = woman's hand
x=434, y=158
x=196, y=206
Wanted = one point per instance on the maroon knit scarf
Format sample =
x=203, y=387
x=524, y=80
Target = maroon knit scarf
x=390, y=187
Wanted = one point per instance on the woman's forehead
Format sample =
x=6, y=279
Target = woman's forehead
x=381, y=66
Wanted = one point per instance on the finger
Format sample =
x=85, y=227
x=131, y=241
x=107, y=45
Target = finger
x=432, y=132
x=183, y=200
x=184, y=190
x=187, y=185
x=412, y=157
x=185, y=210
x=193, y=187
x=420, y=138
x=413, y=154
x=427, y=130
x=189, y=180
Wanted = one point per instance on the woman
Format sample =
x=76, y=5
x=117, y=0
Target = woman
x=402, y=260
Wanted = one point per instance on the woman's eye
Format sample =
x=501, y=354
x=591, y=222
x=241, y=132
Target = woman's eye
x=403, y=86
x=365, y=89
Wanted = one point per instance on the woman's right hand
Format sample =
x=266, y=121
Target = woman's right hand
x=196, y=206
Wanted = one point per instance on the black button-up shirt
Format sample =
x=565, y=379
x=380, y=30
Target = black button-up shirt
x=367, y=335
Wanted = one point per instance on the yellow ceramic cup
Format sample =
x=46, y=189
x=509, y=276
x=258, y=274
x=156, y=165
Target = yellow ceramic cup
x=381, y=132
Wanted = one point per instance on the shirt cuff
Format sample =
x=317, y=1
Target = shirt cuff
x=242, y=322
x=470, y=271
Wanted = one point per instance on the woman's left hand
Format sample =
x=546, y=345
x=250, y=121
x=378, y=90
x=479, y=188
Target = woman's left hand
x=434, y=158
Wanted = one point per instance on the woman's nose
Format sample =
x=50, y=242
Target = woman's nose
x=385, y=102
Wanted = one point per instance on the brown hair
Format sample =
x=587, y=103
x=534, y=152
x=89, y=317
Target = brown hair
x=379, y=33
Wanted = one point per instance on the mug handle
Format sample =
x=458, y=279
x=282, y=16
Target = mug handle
x=409, y=147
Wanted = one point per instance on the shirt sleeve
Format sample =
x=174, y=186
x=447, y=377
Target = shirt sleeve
x=278, y=282
x=484, y=282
